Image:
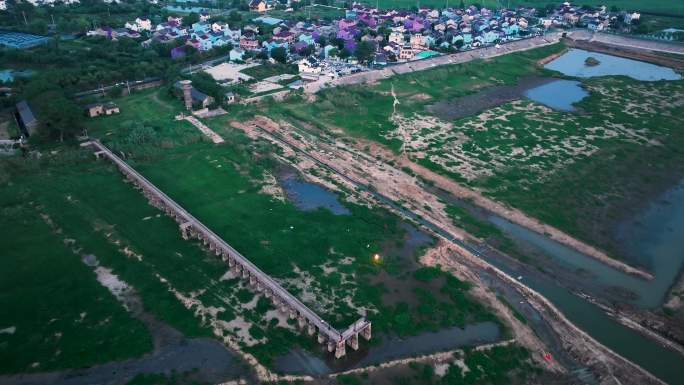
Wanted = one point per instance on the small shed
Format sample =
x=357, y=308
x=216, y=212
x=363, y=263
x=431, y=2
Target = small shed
x=97, y=109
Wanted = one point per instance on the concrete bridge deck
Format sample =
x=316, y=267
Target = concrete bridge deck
x=283, y=300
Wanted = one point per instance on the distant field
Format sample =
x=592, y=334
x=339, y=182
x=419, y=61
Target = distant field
x=674, y=7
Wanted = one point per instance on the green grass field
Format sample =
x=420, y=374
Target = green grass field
x=55, y=313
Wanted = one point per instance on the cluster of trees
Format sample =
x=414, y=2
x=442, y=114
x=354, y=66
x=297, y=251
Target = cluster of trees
x=59, y=116
x=77, y=18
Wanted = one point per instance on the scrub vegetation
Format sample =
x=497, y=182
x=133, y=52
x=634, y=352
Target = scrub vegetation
x=622, y=146
x=368, y=110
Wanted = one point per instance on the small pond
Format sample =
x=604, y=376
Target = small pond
x=558, y=94
x=572, y=63
x=310, y=196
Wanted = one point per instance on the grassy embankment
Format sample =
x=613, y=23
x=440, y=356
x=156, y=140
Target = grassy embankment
x=220, y=185
x=622, y=148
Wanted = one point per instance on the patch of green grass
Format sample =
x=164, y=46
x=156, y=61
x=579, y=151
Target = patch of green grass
x=61, y=315
x=266, y=70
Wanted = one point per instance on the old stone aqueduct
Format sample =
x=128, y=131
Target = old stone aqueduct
x=259, y=281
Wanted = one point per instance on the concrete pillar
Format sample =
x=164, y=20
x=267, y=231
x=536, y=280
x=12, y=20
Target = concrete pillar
x=339, y=350
x=331, y=346
x=231, y=261
x=310, y=329
x=186, y=86
x=321, y=338
x=293, y=314
x=366, y=332
x=245, y=273
x=302, y=321
x=353, y=341
x=185, y=228
x=252, y=280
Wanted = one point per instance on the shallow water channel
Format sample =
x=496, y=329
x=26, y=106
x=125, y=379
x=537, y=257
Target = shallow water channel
x=653, y=238
x=657, y=236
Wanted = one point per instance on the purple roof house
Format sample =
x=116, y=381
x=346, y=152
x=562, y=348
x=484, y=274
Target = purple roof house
x=345, y=34
x=368, y=20
x=414, y=25
x=299, y=46
x=346, y=23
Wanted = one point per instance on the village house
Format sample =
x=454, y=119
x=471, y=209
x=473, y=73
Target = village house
x=418, y=42
x=199, y=99
x=405, y=52
x=249, y=42
x=140, y=24
x=28, y=124
x=97, y=109
x=260, y=5
x=309, y=65
x=396, y=37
